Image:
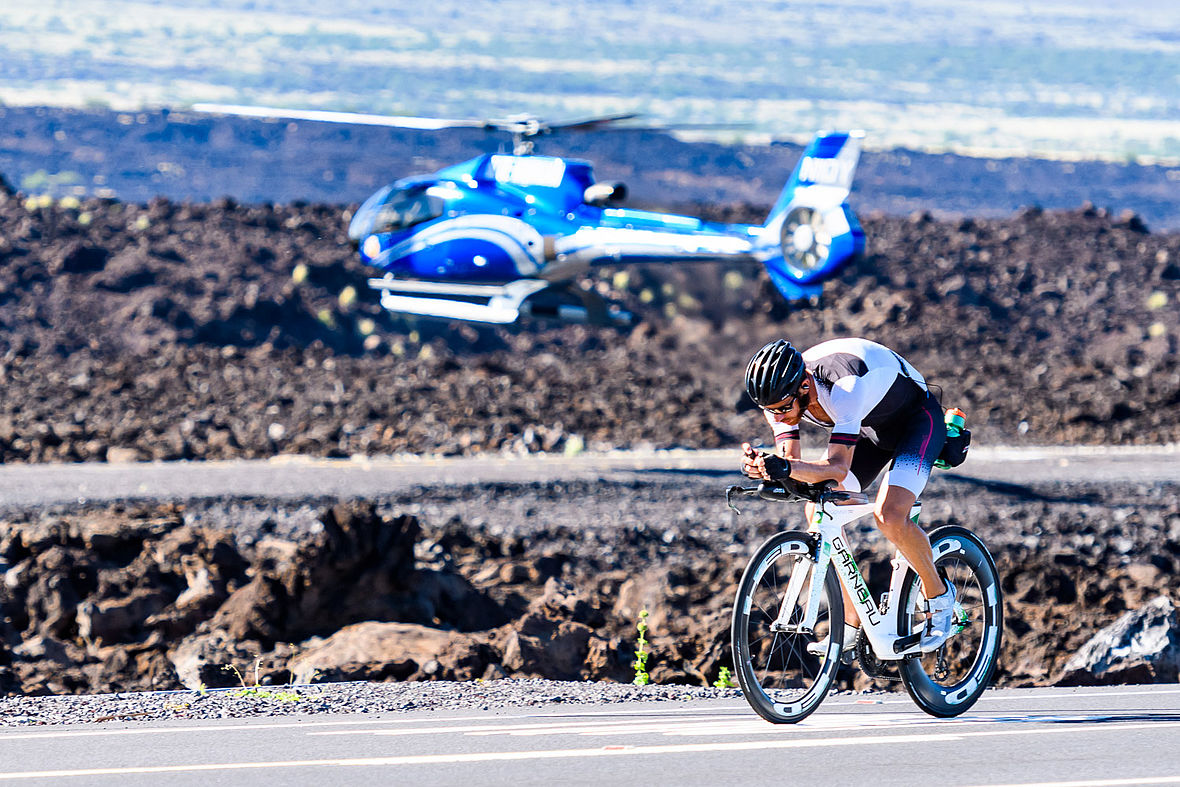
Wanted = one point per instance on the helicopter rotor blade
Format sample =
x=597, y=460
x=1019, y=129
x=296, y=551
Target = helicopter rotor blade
x=618, y=123
x=328, y=116
x=591, y=123
x=523, y=126
x=668, y=127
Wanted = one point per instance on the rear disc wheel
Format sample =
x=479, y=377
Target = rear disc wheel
x=949, y=680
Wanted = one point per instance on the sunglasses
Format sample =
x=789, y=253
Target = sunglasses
x=783, y=409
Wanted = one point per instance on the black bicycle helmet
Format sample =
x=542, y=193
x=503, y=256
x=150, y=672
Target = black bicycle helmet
x=774, y=373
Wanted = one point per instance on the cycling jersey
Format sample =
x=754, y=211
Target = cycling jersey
x=878, y=403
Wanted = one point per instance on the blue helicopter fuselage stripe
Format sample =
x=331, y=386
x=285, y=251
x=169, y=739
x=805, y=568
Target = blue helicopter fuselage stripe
x=512, y=236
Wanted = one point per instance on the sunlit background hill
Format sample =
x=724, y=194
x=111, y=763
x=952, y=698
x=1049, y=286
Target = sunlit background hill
x=1077, y=79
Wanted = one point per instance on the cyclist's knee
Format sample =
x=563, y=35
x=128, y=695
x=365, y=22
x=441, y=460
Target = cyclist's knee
x=893, y=514
x=889, y=526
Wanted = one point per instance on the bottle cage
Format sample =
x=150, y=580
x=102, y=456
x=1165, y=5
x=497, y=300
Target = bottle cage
x=954, y=450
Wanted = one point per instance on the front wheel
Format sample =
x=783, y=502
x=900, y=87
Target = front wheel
x=781, y=680
x=949, y=680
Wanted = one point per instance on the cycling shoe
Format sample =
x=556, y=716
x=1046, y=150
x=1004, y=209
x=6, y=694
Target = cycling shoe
x=819, y=649
x=940, y=619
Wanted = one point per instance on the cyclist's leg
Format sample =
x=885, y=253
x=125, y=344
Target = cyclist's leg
x=892, y=513
x=868, y=460
x=920, y=444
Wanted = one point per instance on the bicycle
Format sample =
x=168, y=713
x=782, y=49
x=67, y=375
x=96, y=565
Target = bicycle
x=788, y=598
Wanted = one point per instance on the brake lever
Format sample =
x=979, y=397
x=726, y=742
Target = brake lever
x=729, y=490
x=734, y=489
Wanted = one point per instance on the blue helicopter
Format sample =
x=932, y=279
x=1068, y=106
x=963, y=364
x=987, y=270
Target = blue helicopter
x=507, y=235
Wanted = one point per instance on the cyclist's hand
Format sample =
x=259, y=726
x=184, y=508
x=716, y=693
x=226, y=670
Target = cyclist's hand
x=753, y=463
x=762, y=466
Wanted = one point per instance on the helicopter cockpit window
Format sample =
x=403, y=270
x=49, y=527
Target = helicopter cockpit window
x=406, y=207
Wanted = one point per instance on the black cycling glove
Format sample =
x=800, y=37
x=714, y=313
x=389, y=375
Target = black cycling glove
x=777, y=468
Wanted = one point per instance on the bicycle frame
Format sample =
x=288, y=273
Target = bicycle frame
x=832, y=549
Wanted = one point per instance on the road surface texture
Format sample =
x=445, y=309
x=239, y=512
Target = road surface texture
x=300, y=478
x=1059, y=737
x=1013, y=736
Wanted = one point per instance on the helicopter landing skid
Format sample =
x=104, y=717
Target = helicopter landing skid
x=499, y=304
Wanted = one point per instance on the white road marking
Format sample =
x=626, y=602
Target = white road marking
x=693, y=725
x=18, y=734
x=1005, y=697
x=826, y=720
x=7, y=736
x=438, y=759
x=566, y=726
x=721, y=726
x=607, y=751
x=1098, y=782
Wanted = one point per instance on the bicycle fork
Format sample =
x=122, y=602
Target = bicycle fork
x=819, y=566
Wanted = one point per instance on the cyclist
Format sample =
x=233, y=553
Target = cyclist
x=881, y=412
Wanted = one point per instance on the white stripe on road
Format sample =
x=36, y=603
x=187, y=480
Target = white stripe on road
x=1098, y=782
x=439, y=759
x=564, y=727
x=9, y=736
x=698, y=725
x=605, y=751
x=738, y=709
x=733, y=724
x=1002, y=695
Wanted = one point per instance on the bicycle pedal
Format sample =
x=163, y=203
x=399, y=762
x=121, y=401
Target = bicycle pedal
x=962, y=619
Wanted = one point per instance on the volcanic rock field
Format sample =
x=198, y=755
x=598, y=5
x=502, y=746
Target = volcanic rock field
x=196, y=331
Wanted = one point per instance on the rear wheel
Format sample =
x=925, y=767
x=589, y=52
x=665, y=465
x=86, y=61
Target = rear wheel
x=948, y=681
x=782, y=681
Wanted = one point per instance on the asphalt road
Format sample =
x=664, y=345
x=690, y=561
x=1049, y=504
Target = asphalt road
x=1118, y=736
x=1059, y=737
x=301, y=477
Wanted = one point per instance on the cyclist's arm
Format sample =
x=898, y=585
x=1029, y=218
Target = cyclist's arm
x=790, y=448
x=786, y=438
x=833, y=467
x=851, y=399
x=787, y=445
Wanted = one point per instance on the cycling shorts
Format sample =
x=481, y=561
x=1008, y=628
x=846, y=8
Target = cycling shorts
x=909, y=445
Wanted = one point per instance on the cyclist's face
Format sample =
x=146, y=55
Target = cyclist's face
x=790, y=410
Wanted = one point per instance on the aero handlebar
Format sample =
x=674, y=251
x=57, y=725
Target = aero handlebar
x=790, y=491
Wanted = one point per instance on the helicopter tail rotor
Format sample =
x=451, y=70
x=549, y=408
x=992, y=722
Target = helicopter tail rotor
x=811, y=232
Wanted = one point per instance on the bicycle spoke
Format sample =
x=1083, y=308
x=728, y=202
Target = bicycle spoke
x=762, y=638
x=769, y=661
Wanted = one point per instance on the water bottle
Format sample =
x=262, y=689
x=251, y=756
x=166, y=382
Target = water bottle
x=956, y=419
